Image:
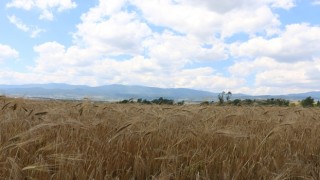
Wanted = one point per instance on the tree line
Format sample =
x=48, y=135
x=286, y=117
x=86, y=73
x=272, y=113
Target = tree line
x=159, y=101
x=224, y=98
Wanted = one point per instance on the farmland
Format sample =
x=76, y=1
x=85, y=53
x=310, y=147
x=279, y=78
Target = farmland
x=91, y=140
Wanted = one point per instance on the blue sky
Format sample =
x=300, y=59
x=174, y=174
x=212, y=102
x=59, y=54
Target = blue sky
x=244, y=46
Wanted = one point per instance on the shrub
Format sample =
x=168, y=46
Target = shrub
x=162, y=100
x=180, y=103
x=204, y=103
x=292, y=104
x=248, y=101
x=236, y=102
x=278, y=102
x=139, y=100
x=126, y=101
x=145, y=102
x=307, y=102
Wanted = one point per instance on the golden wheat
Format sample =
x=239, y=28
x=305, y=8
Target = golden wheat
x=86, y=140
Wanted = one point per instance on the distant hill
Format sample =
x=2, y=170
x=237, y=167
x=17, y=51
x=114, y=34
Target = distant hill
x=108, y=92
x=117, y=92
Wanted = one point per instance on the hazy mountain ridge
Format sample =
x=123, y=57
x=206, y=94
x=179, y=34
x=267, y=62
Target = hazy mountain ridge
x=107, y=92
x=119, y=92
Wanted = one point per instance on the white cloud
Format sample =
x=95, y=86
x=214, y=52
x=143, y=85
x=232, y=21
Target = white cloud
x=54, y=57
x=196, y=18
x=104, y=9
x=120, y=33
x=316, y=2
x=33, y=30
x=287, y=63
x=299, y=42
x=205, y=78
x=285, y=4
x=18, y=23
x=55, y=60
x=36, y=31
x=46, y=7
x=180, y=17
x=291, y=75
x=272, y=77
x=246, y=68
x=6, y=52
x=23, y=4
x=261, y=19
x=51, y=57
x=228, y=5
x=175, y=51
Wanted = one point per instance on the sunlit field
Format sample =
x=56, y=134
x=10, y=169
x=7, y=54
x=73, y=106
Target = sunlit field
x=86, y=140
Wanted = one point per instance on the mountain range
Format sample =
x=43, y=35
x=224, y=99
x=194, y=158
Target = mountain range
x=116, y=92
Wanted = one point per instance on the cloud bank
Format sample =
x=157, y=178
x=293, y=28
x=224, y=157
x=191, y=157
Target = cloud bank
x=45, y=6
x=179, y=44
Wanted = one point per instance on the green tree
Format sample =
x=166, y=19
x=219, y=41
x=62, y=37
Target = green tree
x=307, y=102
x=221, y=97
x=139, y=100
x=228, y=96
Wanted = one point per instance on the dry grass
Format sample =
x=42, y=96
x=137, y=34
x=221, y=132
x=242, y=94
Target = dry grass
x=66, y=140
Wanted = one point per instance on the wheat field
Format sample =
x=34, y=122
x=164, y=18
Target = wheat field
x=91, y=140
